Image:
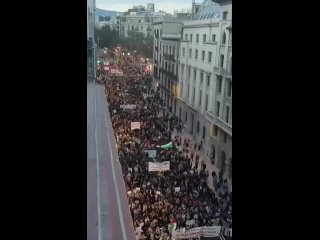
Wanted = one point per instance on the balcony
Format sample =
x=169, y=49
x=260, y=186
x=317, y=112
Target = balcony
x=169, y=57
x=227, y=73
x=219, y=122
x=218, y=70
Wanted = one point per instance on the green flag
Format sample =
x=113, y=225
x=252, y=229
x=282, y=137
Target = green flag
x=167, y=146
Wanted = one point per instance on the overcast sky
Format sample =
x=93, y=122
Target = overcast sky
x=123, y=5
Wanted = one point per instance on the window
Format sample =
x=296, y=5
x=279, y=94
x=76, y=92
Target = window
x=227, y=114
x=219, y=84
x=225, y=136
x=215, y=130
x=193, y=94
x=190, y=53
x=189, y=72
x=122, y=27
x=203, y=55
x=206, y=106
x=209, y=56
x=200, y=99
x=197, y=38
x=201, y=78
x=198, y=126
x=172, y=68
x=186, y=36
x=229, y=89
x=128, y=27
x=218, y=108
x=188, y=91
x=204, y=38
x=178, y=53
x=141, y=27
x=208, y=80
x=224, y=15
x=137, y=27
x=190, y=37
x=186, y=117
x=132, y=27
x=160, y=32
x=221, y=60
x=173, y=51
x=183, y=52
x=213, y=37
x=196, y=54
x=224, y=38
x=195, y=75
x=170, y=50
x=203, y=132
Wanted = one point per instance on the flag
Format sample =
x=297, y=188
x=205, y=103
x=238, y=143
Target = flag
x=167, y=146
x=173, y=225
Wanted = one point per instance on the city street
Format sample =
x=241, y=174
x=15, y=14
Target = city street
x=108, y=214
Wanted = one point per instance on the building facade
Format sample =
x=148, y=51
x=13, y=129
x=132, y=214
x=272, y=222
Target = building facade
x=166, y=54
x=138, y=19
x=193, y=71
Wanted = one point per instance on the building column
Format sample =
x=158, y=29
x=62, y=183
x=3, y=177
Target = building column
x=228, y=168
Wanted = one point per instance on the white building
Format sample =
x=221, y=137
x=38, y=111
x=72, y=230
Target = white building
x=167, y=34
x=150, y=7
x=193, y=71
x=205, y=81
x=138, y=19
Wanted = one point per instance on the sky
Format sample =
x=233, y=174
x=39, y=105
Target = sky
x=123, y=5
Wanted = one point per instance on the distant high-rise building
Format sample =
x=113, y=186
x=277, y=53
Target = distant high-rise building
x=150, y=7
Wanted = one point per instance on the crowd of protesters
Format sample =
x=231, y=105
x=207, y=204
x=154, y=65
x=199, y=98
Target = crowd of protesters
x=180, y=196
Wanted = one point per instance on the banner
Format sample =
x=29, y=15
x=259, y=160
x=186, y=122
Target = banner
x=128, y=106
x=213, y=231
x=167, y=146
x=119, y=73
x=135, y=125
x=159, y=167
x=152, y=153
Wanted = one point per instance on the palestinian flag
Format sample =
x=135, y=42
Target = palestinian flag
x=173, y=225
x=167, y=146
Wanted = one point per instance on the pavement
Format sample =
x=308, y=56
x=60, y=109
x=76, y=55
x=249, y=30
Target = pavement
x=108, y=215
x=209, y=166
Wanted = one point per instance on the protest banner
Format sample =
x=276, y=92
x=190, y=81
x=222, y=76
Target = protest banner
x=135, y=125
x=151, y=153
x=159, y=166
x=128, y=106
x=212, y=231
x=177, y=189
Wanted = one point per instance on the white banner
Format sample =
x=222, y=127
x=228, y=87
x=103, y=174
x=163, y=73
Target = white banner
x=119, y=73
x=159, y=167
x=128, y=106
x=152, y=153
x=135, y=125
x=213, y=231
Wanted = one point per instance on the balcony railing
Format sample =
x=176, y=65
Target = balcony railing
x=218, y=70
x=219, y=122
x=169, y=57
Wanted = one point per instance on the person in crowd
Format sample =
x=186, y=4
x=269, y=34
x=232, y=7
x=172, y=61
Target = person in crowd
x=155, y=199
